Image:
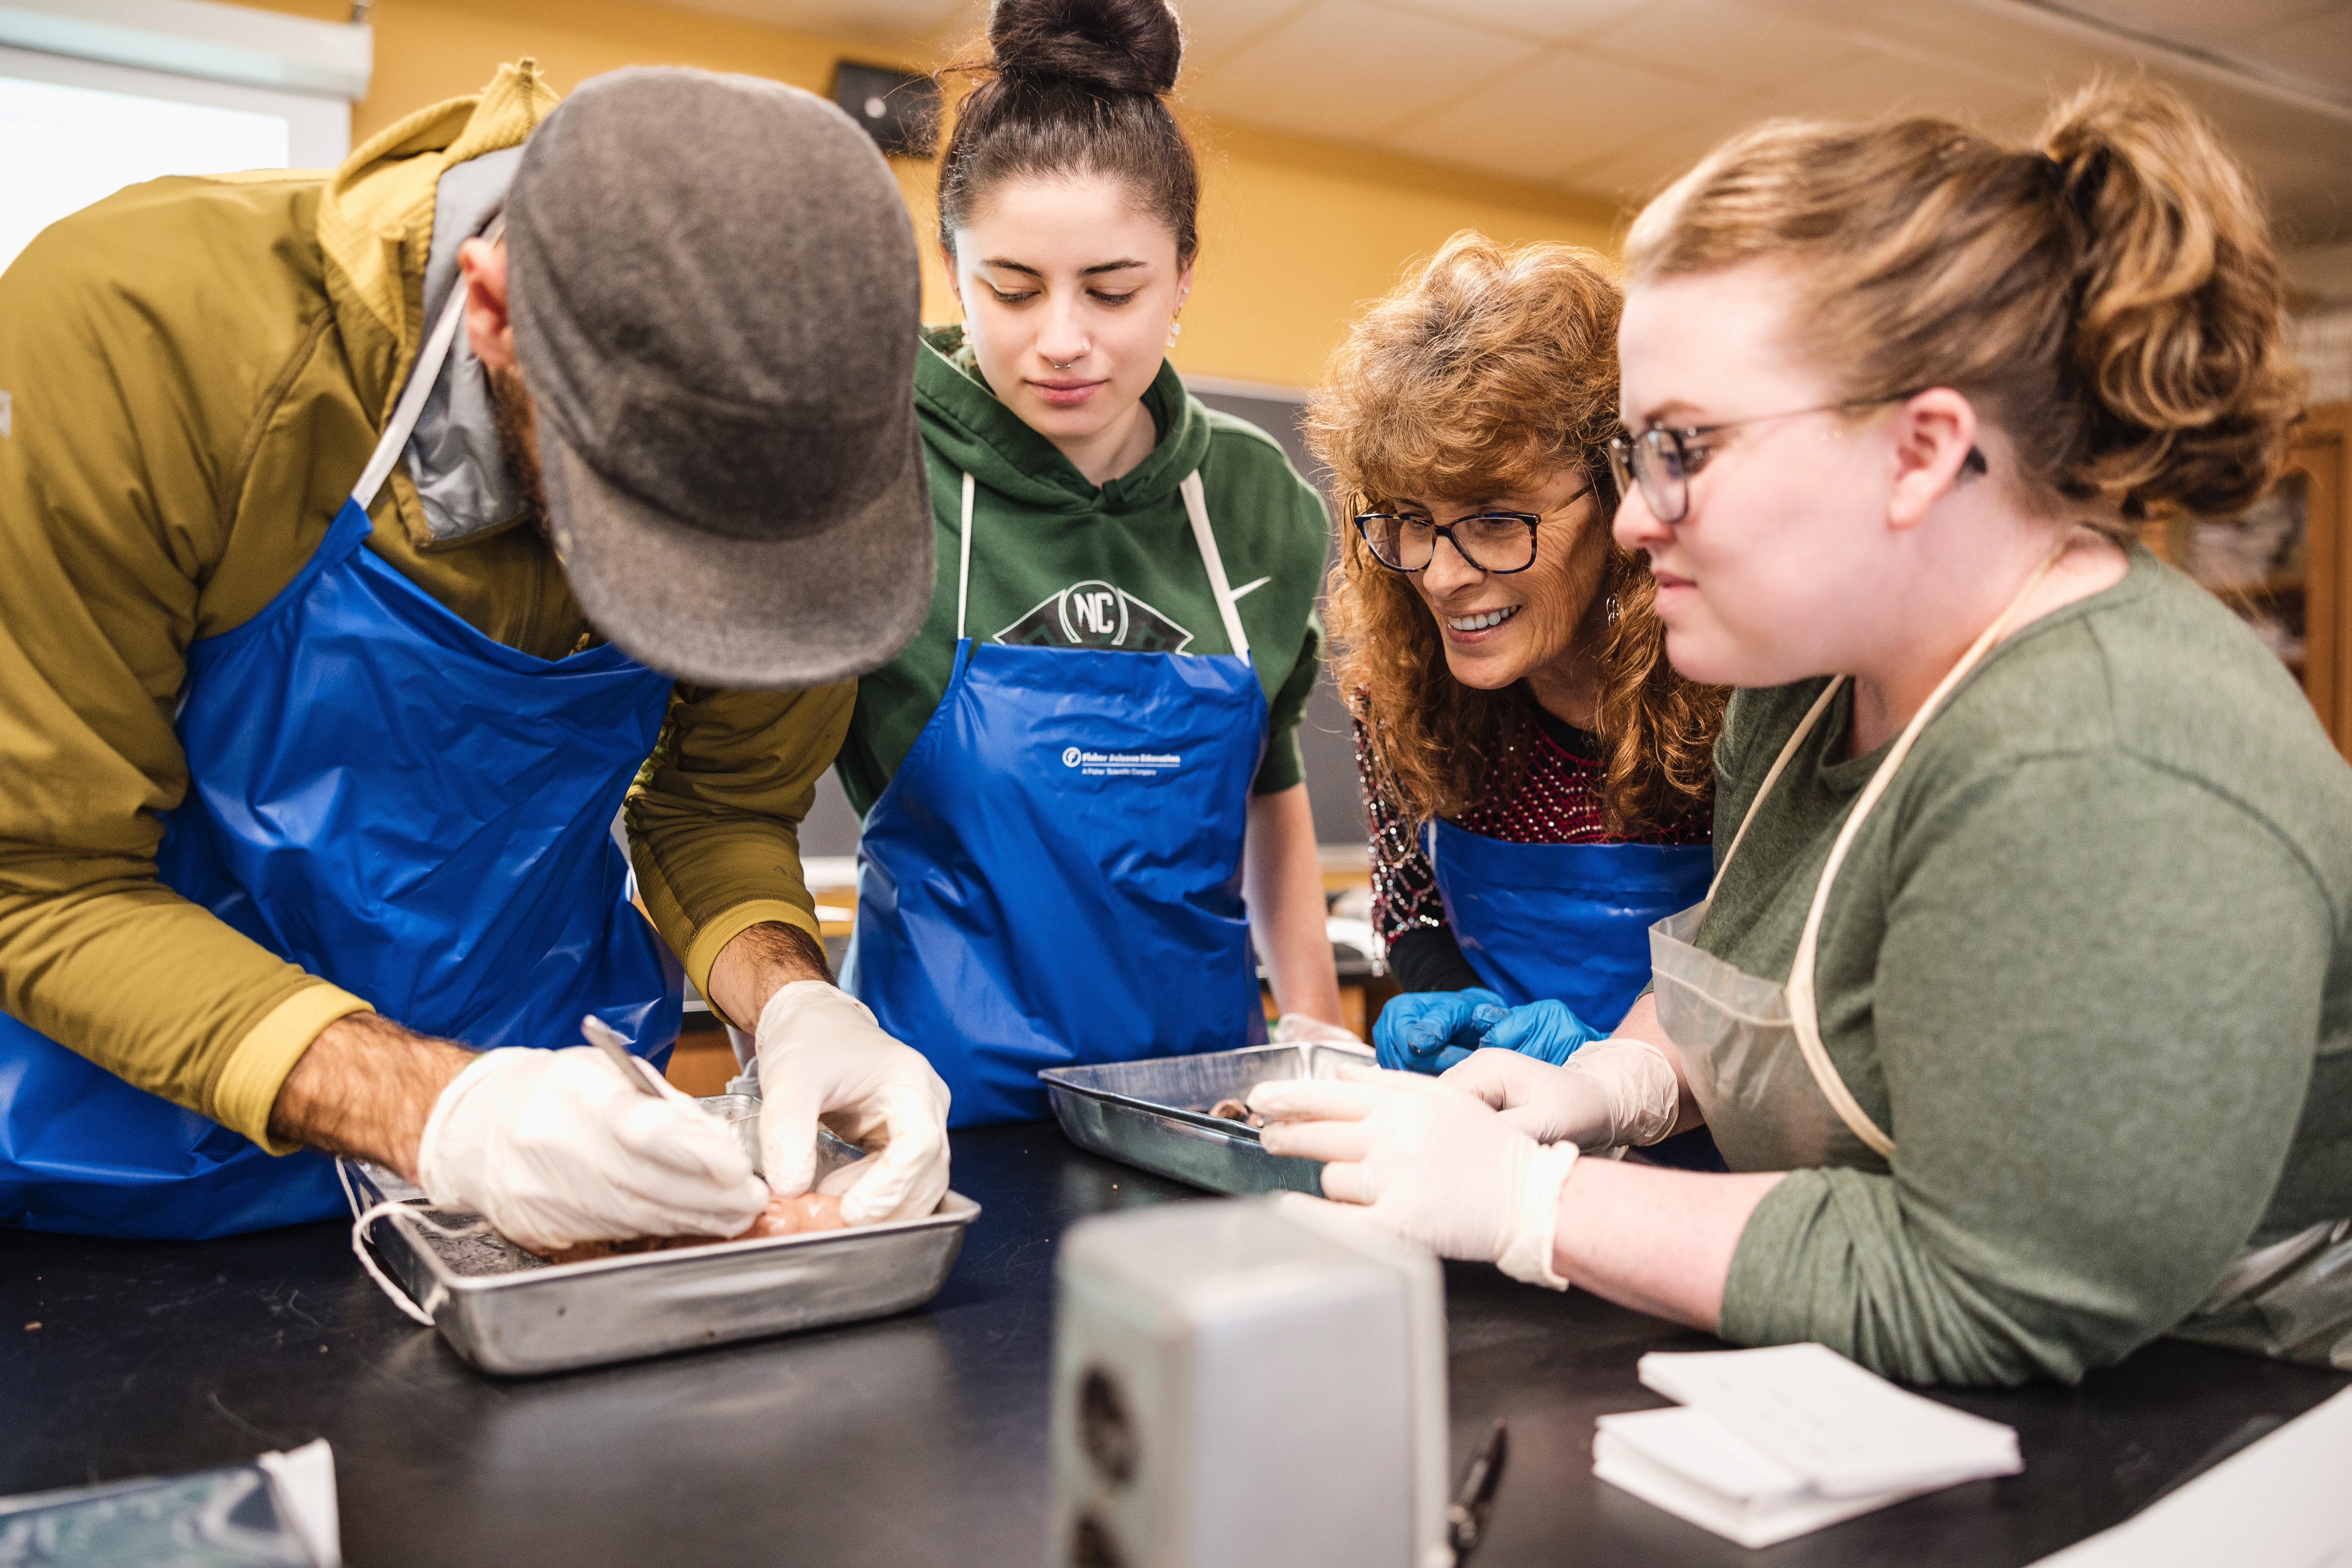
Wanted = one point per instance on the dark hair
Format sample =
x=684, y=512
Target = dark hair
x=1072, y=87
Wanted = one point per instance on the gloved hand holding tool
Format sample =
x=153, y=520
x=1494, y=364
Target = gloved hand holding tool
x=554, y=1148
x=824, y=1058
x=1615, y=1093
x=1431, y=1164
x=1428, y=1031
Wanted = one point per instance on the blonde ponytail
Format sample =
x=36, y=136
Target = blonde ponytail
x=2110, y=299
x=2177, y=329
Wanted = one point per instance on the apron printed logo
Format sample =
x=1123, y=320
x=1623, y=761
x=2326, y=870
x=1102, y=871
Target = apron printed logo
x=1095, y=614
x=1121, y=764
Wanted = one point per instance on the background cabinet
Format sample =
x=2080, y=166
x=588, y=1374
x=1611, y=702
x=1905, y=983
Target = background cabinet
x=2283, y=565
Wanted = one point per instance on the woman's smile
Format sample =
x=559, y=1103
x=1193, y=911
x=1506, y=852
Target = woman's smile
x=1474, y=627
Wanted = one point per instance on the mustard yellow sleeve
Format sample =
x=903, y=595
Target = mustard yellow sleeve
x=714, y=819
x=256, y=1067
x=133, y=383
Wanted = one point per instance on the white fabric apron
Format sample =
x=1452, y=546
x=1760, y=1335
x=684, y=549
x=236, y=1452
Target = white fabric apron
x=1752, y=1053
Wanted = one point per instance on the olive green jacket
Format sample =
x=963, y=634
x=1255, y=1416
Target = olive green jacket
x=196, y=370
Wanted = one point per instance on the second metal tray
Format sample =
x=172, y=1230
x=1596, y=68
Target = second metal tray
x=1155, y=1114
x=508, y=1312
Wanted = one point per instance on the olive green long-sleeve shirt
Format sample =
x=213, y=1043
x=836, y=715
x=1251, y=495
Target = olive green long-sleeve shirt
x=2089, y=963
x=197, y=370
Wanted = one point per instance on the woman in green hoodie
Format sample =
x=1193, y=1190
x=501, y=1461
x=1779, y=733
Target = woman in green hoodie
x=1081, y=782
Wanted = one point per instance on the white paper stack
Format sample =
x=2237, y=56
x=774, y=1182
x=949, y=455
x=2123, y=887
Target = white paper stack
x=1769, y=1444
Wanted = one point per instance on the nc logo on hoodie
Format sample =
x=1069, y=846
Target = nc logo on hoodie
x=1097, y=615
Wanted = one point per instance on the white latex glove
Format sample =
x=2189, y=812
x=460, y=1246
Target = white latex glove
x=1298, y=1029
x=1610, y=1094
x=1433, y=1166
x=823, y=1058
x=556, y=1147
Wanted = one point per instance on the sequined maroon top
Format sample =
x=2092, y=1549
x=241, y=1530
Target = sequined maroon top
x=1557, y=801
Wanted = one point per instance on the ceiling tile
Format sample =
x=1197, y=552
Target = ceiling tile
x=1722, y=44
x=1564, y=112
x=1636, y=173
x=2316, y=49
x=884, y=21
x=2005, y=42
x=1215, y=28
x=1347, y=70
x=1878, y=84
x=1549, y=21
x=2205, y=22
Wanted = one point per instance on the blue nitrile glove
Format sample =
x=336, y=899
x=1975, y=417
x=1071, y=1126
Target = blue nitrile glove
x=1546, y=1030
x=1428, y=1031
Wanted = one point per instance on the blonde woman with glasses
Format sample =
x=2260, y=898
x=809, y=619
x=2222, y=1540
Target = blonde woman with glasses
x=2021, y=1005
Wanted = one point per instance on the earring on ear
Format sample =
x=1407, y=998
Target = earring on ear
x=1175, y=331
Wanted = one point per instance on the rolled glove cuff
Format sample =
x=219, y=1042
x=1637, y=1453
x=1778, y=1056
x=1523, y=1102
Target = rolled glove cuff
x=1297, y=1030
x=436, y=1168
x=1639, y=1084
x=796, y=995
x=1527, y=1255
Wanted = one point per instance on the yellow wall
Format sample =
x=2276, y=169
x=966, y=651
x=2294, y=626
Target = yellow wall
x=1296, y=234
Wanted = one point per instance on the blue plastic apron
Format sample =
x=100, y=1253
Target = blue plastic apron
x=1567, y=921
x=1571, y=922
x=1053, y=875
x=401, y=805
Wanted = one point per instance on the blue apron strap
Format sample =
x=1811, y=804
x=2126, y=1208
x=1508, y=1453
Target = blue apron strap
x=1196, y=508
x=963, y=558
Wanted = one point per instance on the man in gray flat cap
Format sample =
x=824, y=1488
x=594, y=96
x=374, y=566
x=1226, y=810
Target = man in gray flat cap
x=369, y=534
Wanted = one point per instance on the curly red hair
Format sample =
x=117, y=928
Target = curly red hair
x=1483, y=372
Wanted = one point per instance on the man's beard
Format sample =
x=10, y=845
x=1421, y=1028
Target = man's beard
x=511, y=413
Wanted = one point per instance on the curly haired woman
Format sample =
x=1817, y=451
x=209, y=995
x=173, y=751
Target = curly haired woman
x=1537, y=776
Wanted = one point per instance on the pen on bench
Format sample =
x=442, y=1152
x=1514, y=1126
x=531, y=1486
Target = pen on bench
x=1465, y=1519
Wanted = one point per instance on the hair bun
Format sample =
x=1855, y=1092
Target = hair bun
x=1113, y=45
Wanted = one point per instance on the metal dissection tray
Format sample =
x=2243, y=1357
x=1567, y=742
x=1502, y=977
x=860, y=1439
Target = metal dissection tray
x=1155, y=1114
x=508, y=1311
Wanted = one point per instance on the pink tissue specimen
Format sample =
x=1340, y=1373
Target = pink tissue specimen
x=783, y=1216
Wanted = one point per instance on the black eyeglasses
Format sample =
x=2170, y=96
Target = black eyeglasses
x=1499, y=543
x=1662, y=460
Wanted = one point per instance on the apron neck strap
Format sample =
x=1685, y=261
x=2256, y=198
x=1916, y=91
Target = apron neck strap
x=411, y=406
x=1196, y=510
x=1196, y=507
x=963, y=558
x=1804, y=1014
x=1779, y=764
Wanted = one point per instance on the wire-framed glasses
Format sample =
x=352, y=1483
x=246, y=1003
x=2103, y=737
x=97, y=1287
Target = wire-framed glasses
x=1662, y=458
x=1499, y=543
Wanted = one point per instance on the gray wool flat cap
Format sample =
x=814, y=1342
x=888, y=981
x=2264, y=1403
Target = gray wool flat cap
x=716, y=302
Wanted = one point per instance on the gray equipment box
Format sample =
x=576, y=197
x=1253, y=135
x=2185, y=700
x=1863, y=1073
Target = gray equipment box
x=1238, y=1386
x=1154, y=1114
x=507, y=1310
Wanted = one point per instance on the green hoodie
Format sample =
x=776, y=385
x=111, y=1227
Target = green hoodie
x=1059, y=562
